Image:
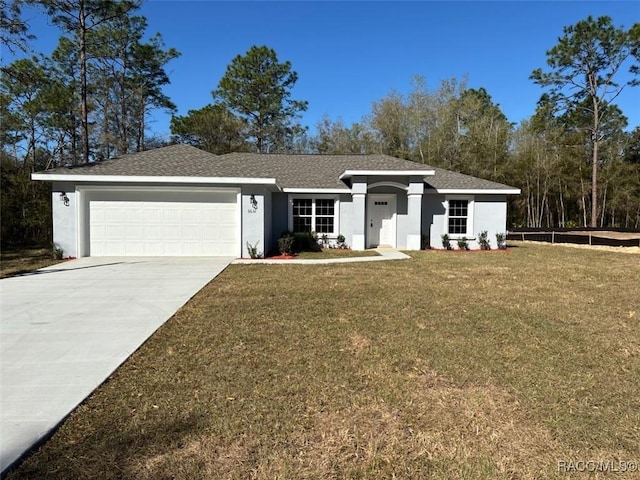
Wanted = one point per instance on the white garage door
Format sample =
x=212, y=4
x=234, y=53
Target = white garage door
x=164, y=224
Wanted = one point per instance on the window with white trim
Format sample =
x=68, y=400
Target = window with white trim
x=314, y=215
x=459, y=217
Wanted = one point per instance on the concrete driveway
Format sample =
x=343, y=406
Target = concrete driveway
x=64, y=329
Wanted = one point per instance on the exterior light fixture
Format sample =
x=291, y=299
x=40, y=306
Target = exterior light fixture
x=253, y=201
x=64, y=199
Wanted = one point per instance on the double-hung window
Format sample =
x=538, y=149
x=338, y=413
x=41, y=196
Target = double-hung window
x=459, y=218
x=314, y=215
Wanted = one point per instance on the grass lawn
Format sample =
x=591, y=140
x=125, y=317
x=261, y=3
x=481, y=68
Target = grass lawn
x=492, y=365
x=336, y=253
x=15, y=261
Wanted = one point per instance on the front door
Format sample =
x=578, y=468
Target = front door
x=381, y=220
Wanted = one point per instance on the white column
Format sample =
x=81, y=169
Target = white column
x=359, y=197
x=414, y=214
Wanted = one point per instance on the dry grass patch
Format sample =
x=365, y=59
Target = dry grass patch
x=17, y=261
x=479, y=366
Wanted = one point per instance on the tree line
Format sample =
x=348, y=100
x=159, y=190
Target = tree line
x=575, y=159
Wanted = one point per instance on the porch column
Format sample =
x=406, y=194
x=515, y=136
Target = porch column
x=359, y=196
x=414, y=213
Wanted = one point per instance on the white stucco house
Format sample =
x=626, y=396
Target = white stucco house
x=182, y=201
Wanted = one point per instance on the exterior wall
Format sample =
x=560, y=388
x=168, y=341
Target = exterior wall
x=346, y=219
x=489, y=213
x=279, y=216
x=433, y=219
x=64, y=217
x=254, y=218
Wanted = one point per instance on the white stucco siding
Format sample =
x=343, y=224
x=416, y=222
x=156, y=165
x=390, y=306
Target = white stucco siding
x=490, y=215
x=489, y=212
x=64, y=216
x=253, y=210
x=433, y=218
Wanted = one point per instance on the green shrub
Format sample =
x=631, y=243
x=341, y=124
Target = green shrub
x=341, y=242
x=253, y=250
x=58, y=253
x=501, y=241
x=446, y=242
x=285, y=243
x=483, y=240
x=306, y=242
x=463, y=244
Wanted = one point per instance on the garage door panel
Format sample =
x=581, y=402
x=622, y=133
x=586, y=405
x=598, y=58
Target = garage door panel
x=134, y=227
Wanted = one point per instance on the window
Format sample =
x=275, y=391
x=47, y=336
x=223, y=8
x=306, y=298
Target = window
x=459, y=217
x=314, y=215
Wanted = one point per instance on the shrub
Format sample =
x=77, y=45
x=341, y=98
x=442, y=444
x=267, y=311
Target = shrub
x=58, y=253
x=305, y=242
x=483, y=240
x=253, y=250
x=463, y=244
x=341, y=242
x=285, y=243
x=501, y=241
x=446, y=242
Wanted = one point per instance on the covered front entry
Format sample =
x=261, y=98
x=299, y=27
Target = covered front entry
x=381, y=221
x=163, y=223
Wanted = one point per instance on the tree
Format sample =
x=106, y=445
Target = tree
x=79, y=18
x=213, y=128
x=582, y=66
x=257, y=88
x=14, y=31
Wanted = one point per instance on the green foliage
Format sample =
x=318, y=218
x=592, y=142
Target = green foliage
x=501, y=241
x=25, y=205
x=212, y=128
x=483, y=240
x=58, y=252
x=463, y=243
x=581, y=80
x=306, y=242
x=257, y=88
x=285, y=243
x=341, y=242
x=253, y=250
x=446, y=242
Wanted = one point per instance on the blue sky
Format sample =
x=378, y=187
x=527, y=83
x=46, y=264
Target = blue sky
x=349, y=54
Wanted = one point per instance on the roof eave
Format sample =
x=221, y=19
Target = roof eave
x=54, y=177
x=474, y=191
x=379, y=173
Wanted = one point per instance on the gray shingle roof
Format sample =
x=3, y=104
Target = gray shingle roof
x=290, y=171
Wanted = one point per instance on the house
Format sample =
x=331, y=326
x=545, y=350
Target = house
x=182, y=201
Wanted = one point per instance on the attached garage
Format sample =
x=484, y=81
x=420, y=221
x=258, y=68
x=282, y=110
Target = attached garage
x=153, y=222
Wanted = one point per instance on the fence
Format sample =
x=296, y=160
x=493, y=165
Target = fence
x=613, y=237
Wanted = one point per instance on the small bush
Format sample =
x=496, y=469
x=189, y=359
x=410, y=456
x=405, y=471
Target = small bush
x=446, y=242
x=306, y=242
x=341, y=242
x=253, y=250
x=58, y=253
x=483, y=240
x=285, y=243
x=501, y=241
x=463, y=244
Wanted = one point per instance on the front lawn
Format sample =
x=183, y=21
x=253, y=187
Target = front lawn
x=490, y=365
x=16, y=261
x=330, y=253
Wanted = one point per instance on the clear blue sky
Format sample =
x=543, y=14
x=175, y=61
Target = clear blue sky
x=349, y=54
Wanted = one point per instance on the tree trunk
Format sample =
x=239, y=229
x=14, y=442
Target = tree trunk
x=594, y=173
x=84, y=113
